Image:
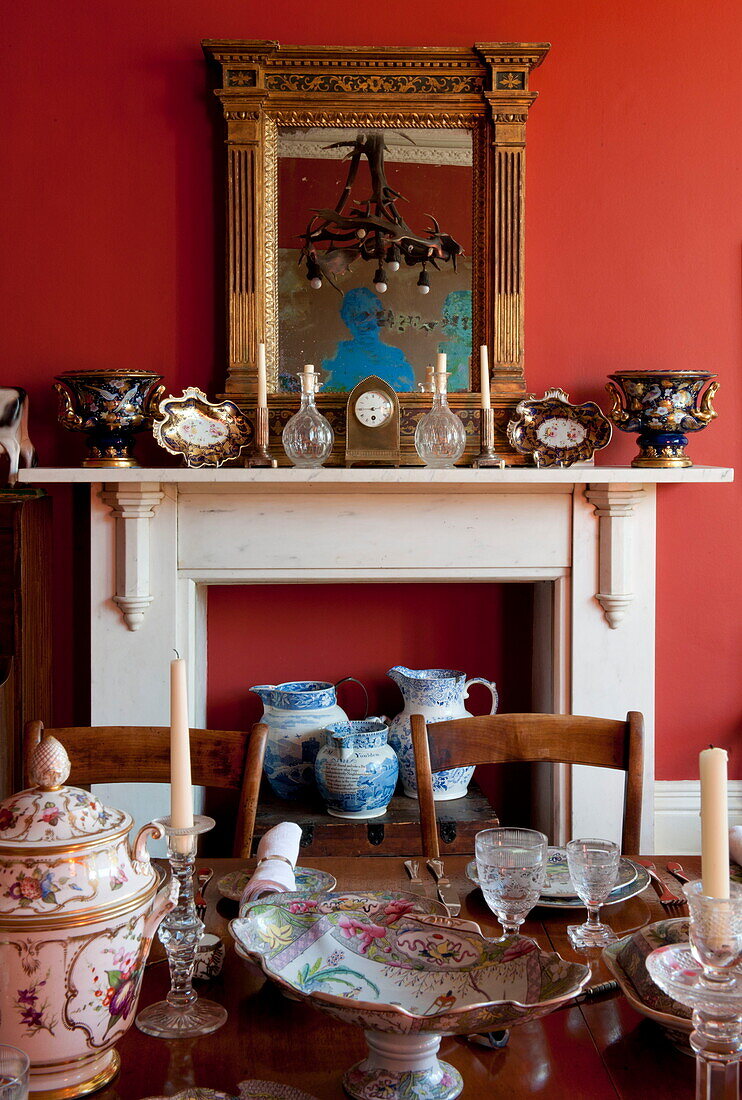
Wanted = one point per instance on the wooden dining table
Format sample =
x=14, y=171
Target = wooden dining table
x=597, y=1050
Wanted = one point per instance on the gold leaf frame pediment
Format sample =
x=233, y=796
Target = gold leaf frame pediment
x=263, y=86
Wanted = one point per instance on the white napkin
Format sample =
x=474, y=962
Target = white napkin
x=275, y=876
x=735, y=843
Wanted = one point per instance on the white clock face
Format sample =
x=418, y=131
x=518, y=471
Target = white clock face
x=558, y=431
x=374, y=409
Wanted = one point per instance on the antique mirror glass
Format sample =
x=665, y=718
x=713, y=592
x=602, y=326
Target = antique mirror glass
x=348, y=326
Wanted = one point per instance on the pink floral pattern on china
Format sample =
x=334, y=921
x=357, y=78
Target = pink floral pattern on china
x=39, y=816
x=49, y=885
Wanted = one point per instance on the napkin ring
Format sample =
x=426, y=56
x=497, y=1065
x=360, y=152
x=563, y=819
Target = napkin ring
x=282, y=858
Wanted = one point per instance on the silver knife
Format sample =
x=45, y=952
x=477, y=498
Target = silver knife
x=417, y=886
x=446, y=891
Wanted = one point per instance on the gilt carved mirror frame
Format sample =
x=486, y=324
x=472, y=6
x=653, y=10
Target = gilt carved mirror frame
x=483, y=89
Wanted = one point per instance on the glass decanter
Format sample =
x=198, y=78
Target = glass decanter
x=308, y=436
x=439, y=436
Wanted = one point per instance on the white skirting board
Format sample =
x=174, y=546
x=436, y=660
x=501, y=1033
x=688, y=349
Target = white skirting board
x=677, y=809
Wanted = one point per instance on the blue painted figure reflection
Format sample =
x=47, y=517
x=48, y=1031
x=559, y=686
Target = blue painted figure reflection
x=365, y=354
x=456, y=325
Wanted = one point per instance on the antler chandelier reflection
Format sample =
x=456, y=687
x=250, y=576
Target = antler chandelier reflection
x=371, y=228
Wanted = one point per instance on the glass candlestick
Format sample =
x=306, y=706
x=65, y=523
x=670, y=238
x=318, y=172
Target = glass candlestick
x=308, y=436
x=183, y=1012
x=706, y=976
x=439, y=436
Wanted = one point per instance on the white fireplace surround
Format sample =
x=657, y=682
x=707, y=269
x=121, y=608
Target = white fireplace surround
x=584, y=536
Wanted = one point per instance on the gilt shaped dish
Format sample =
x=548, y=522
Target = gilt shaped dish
x=203, y=432
x=406, y=980
x=556, y=433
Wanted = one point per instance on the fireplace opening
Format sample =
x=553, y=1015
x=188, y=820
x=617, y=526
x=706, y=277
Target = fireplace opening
x=272, y=633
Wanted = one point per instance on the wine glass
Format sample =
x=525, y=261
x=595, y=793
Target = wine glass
x=511, y=867
x=593, y=868
x=14, y=1066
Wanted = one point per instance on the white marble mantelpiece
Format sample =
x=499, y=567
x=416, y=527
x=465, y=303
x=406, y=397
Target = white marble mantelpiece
x=584, y=536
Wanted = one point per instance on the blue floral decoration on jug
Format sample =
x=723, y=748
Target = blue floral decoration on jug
x=296, y=713
x=437, y=694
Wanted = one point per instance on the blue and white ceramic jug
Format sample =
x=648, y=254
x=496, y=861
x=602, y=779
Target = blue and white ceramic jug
x=437, y=694
x=296, y=713
x=356, y=770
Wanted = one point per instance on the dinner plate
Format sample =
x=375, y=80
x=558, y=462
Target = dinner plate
x=640, y=881
x=308, y=881
x=559, y=881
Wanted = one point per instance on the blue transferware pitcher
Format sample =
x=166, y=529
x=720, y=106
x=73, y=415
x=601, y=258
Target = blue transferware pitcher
x=356, y=770
x=437, y=694
x=296, y=713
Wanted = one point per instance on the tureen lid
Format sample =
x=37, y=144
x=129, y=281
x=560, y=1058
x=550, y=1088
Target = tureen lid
x=51, y=814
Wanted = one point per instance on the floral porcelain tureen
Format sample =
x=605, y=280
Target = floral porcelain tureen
x=78, y=910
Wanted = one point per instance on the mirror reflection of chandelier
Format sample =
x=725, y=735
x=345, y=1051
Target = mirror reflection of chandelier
x=371, y=228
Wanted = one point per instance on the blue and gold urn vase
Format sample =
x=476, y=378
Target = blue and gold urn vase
x=110, y=405
x=662, y=407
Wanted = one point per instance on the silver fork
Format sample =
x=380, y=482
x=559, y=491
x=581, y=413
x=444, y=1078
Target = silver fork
x=667, y=898
x=676, y=869
x=203, y=879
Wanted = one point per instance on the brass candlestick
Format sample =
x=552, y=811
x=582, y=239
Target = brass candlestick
x=488, y=455
x=259, y=454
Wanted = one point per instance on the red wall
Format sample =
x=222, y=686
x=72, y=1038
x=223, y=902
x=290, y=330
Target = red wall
x=633, y=253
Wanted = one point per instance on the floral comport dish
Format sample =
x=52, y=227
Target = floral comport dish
x=204, y=433
x=555, y=433
x=662, y=408
x=406, y=980
x=78, y=910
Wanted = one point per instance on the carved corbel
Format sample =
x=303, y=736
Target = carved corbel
x=614, y=507
x=133, y=506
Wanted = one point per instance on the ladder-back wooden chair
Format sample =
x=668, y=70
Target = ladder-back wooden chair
x=223, y=759
x=529, y=738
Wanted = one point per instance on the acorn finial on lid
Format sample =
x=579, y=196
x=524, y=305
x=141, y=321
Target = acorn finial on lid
x=49, y=764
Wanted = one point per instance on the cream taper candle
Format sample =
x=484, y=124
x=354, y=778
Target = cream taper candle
x=484, y=371
x=712, y=766
x=181, y=789
x=440, y=367
x=262, y=378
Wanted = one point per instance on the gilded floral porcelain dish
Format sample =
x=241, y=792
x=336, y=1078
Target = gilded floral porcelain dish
x=632, y=879
x=406, y=980
x=308, y=881
x=626, y=960
x=204, y=433
x=78, y=910
x=556, y=433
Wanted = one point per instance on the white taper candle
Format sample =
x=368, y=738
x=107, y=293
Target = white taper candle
x=181, y=789
x=484, y=371
x=712, y=766
x=262, y=378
